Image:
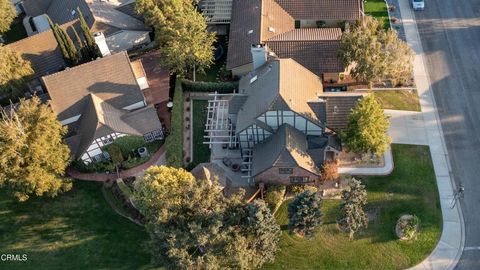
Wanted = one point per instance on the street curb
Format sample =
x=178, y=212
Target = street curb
x=427, y=263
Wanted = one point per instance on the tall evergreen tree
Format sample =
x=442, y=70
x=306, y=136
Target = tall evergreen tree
x=354, y=198
x=14, y=73
x=60, y=42
x=83, y=52
x=181, y=33
x=304, y=213
x=92, y=48
x=7, y=15
x=367, y=128
x=33, y=156
x=69, y=46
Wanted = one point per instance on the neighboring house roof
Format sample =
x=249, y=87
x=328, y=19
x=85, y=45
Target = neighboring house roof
x=281, y=84
x=265, y=21
x=42, y=51
x=338, y=108
x=99, y=118
x=129, y=9
x=286, y=148
x=314, y=48
x=323, y=9
x=105, y=16
x=110, y=78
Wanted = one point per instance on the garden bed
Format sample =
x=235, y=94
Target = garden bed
x=352, y=160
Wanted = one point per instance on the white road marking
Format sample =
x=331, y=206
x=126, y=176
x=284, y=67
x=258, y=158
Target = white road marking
x=471, y=248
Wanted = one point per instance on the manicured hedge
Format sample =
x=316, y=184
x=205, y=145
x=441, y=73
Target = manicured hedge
x=220, y=87
x=174, y=142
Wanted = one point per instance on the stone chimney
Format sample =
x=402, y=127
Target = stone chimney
x=259, y=55
x=101, y=43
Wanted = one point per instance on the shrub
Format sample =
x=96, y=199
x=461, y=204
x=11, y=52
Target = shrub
x=92, y=167
x=329, y=171
x=174, y=142
x=274, y=196
x=220, y=87
x=407, y=227
x=299, y=188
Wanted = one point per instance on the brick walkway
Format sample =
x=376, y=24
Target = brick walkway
x=102, y=177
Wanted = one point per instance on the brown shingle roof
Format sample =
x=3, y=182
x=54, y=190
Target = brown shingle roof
x=323, y=9
x=42, y=51
x=110, y=78
x=339, y=106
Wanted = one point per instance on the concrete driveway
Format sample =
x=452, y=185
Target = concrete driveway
x=407, y=127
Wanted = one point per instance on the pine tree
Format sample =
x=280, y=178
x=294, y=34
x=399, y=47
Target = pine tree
x=33, y=156
x=15, y=73
x=83, y=53
x=92, y=48
x=7, y=15
x=304, y=213
x=367, y=128
x=354, y=198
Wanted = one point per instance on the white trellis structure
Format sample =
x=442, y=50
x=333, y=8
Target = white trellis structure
x=217, y=11
x=219, y=127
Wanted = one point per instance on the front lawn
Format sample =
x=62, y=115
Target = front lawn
x=378, y=9
x=406, y=100
x=411, y=188
x=201, y=151
x=76, y=230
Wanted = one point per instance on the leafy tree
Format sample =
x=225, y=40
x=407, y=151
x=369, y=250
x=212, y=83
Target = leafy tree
x=376, y=54
x=91, y=47
x=274, y=196
x=14, y=73
x=181, y=33
x=192, y=225
x=7, y=15
x=329, y=171
x=398, y=58
x=33, y=156
x=354, y=198
x=304, y=213
x=362, y=46
x=367, y=128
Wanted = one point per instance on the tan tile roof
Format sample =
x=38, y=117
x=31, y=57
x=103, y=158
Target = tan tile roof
x=309, y=34
x=323, y=9
x=254, y=21
x=110, y=78
x=267, y=22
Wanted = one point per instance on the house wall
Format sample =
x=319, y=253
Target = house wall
x=272, y=176
x=94, y=151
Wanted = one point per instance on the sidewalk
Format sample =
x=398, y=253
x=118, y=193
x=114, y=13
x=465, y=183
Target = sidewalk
x=449, y=248
x=407, y=127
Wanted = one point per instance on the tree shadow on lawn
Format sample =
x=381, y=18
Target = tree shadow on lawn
x=75, y=230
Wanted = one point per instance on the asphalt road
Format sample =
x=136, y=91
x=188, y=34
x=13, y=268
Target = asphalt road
x=450, y=34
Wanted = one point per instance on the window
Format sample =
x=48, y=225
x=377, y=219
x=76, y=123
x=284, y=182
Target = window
x=300, y=179
x=285, y=170
x=153, y=136
x=108, y=140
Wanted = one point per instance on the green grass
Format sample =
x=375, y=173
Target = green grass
x=405, y=100
x=174, y=142
x=411, y=188
x=201, y=152
x=16, y=32
x=378, y=9
x=76, y=230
